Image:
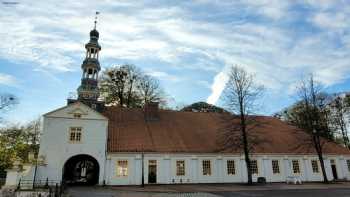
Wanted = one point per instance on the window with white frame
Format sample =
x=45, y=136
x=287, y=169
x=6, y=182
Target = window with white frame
x=254, y=167
x=180, y=168
x=295, y=166
x=122, y=168
x=231, y=170
x=75, y=134
x=348, y=164
x=314, y=165
x=206, y=167
x=275, y=167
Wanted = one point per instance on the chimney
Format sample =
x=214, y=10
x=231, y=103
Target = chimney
x=151, y=111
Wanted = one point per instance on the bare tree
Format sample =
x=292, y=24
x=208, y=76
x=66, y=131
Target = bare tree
x=7, y=101
x=132, y=77
x=32, y=134
x=240, y=95
x=339, y=109
x=296, y=115
x=128, y=86
x=118, y=85
x=312, y=118
x=150, y=90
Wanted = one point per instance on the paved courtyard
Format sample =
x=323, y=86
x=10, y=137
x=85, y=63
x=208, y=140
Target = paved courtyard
x=227, y=190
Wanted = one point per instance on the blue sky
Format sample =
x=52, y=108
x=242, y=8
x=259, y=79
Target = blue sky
x=187, y=45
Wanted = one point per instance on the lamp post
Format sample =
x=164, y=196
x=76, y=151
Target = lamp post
x=142, y=170
x=36, y=154
x=35, y=169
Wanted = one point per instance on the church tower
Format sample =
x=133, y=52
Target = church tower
x=88, y=92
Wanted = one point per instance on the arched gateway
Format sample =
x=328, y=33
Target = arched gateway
x=81, y=170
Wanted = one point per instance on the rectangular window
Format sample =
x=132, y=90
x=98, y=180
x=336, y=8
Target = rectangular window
x=78, y=137
x=275, y=167
x=254, y=167
x=231, y=170
x=314, y=165
x=348, y=163
x=206, y=167
x=75, y=134
x=332, y=162
x=76, y=115
x=296, y=167
x=72, y=136
x=152, y=162
x=122, y=168
x=180, y=168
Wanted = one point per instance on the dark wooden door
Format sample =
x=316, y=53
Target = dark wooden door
x=152, y=171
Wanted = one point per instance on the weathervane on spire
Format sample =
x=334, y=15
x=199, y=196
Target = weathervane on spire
x=97, y=13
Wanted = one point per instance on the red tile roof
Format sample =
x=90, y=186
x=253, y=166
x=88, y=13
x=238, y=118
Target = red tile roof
x=190, y=132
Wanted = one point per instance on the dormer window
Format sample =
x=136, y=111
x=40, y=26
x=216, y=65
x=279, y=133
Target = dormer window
x=77, y=115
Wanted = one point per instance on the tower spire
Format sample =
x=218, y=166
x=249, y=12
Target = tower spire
x=95, y=22
x=88, y=92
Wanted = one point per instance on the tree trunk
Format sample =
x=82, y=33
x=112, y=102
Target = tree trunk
x=344, y=134
x=121, y=96
x=345, y=140
x=318, y=148
x=325, y=179
x=246, y=150
x=121, y=99
x=129, y=94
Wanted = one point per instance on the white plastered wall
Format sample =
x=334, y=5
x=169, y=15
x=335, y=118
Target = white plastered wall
x=166, y=168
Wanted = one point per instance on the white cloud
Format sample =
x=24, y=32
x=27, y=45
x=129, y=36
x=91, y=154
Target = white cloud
x=218, y=86
x=186, y=33
x=9, y=80
x=331, y=21
x=323, y=4
x=51, y=36
x=163, y=75
x=274, y=9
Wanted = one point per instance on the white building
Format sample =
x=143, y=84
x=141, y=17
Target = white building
x=175, y=147
x=85, y=142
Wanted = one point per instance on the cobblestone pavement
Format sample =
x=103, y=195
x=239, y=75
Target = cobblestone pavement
x=290, y=193
x=88, y=192
x=212, y=188
x=115, y=192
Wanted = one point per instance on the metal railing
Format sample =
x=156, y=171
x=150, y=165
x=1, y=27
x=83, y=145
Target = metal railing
x=53, y=187
x=2, y=181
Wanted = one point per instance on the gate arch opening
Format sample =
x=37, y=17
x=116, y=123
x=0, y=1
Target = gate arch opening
x=81, y=170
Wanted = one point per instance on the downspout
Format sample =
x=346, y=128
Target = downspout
x=106, y=152
x=142, y=170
